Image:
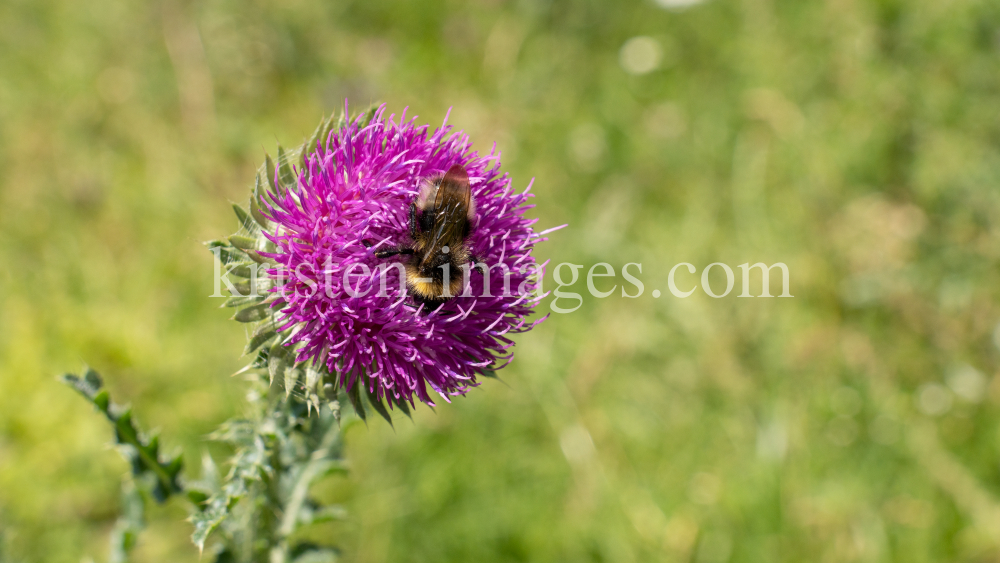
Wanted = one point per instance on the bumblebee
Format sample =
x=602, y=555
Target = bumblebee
x=440, y=221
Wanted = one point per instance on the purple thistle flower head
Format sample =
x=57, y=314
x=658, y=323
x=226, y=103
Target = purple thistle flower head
x=338, y=307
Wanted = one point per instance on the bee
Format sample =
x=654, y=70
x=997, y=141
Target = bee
x=440, y=221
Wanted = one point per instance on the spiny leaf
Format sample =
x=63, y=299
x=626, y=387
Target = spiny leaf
x=369, y=114
x=256, y=257
x=102, y=400
x=259, y=362
x=331, y=122
x=403, y=405
x=257, y=214
x=322, y=134
x=142, y=453
x=278, y=361
x=197, y=497
x=269, y=246
x=255, y=209
x=92, y=378
x=231, y=255
x=335, y=409
x=243, y=270
x=154, y=444
x=131, y=522
x=292, y=376
x=245, y=220
x=274, y=184
x=243, y=287
x=310, y=146
x=313, y=379
x=254, y=313
x=313, y=389
x=329, y=513
x=209, y=471
x=284, y=169
x=260, y=336
x=249, y=465
x=337, y=468
x=205, y=522
x=239, y=301
x=377, y=403
x=163, y=490
x=354, y=394
x=242, y=242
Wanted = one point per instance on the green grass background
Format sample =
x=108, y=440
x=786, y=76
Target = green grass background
x=856, y=141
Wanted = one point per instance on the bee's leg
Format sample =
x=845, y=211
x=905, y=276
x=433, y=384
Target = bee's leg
x=388, y=251
x=430, y=304
x=475, y=260
x=392, y=251
x=413, y=220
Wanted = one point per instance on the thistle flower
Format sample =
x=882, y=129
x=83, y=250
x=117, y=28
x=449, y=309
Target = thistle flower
x=342, y=315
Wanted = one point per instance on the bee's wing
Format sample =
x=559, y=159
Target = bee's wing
x=452, y=206
x=428, y=193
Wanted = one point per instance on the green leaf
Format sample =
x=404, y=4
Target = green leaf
x=313, y=388
x=242, y=242
x=276, y=187
x=243, y=287
x=354, y=394
x=92, y=378
x=335, y=409
x=278, y=361
x=292, y=377
x=245, y=220
x=403, y=405
x=257, y=214
x=260, y=336
x=253, y=313
x=132, y=521
x=249, y=465
x=205, y=522
x=243, y=270
x=314, y=378
x=102, y=400
x=337, y=468
x=209, y=471
x=327, y=126
x=260, y=361
x=310, y=146
x=256, y=257
x=197, y=497
x=142, y=453
x=330, y=124
x=230, y=255
x=284, y=169
x=369, y=113
x=243, y=300
x=255, y=209
x=377, y=403
x=327, y=513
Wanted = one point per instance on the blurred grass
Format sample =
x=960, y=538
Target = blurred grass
x=855, y=141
